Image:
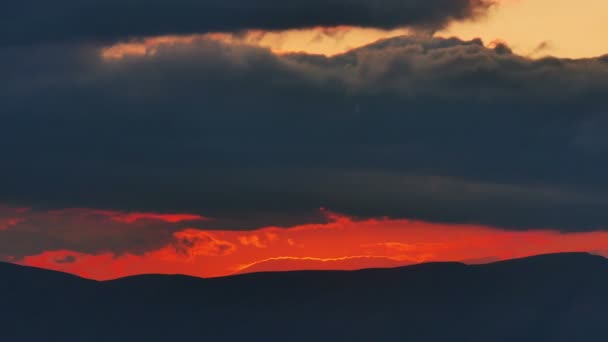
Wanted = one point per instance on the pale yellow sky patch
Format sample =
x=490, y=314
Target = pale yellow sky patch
x=324, y=41
x=563, y=28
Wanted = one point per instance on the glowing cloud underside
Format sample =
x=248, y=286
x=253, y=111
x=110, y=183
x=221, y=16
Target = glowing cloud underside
x=321, y=40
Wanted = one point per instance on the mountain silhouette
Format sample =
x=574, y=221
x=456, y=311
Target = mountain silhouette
x=560, y=297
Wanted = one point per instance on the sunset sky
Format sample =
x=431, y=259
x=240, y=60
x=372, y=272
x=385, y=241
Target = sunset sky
x=212, y=138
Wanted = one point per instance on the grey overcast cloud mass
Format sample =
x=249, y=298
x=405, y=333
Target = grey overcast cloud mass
x=32, y=21
x=442, y=130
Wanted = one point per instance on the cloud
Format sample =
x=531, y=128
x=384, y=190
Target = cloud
x=87, y=231
x=5, y=223
x=32, y=21
x=252, y=240
x=258, y=240
x=441, y=130
x=194, y=243
x=124, y=217
x=68, y=259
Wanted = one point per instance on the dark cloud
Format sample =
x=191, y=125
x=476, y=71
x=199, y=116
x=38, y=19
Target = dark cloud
x=30, y=21
x=81, y=230
x=89, y=231
x=440, y=130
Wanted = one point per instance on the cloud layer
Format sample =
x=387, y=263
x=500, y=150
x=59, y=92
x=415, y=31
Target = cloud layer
x=439, y=130
x=107, y=20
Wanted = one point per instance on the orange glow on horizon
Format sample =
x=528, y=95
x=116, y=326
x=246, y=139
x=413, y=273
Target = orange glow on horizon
x=286, y=263
x=341, y=244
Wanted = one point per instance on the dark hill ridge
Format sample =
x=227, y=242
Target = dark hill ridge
x=561, y=297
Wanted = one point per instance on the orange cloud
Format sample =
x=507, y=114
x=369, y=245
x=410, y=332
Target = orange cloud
x=259, y=241
x=145, y=47
x=342, y=243
x=195, y=243
x=252, y=240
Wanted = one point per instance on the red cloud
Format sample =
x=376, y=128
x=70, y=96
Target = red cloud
x=258, y=240
x=127, y=217
x=10, y=216
x=5, y=223
x=195, y=243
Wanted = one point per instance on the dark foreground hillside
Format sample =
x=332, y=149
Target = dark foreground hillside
x=548, y=298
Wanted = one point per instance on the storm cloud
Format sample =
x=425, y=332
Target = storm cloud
x=32, y=21
x=441, y=130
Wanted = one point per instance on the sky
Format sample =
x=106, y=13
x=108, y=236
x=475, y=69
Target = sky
x=213, y=138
